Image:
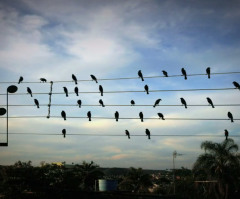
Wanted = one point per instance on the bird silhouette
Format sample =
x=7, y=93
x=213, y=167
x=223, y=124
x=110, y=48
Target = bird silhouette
x=140, y=75
x=94, y=78
x=141, y=116
x=132, y=103
x=183, y=102
x=79, y=103
x=76, y=90
x=146, y=89
x=148, y=133
x=89, y=115
x=74, y=78
x=165, y=73
x=43, y=80
x=63, y=115
x=236, y=85
x=20, y=79
x=29, y=91
x=36, y=102
x=116, y=116
x=156, y=103
x=127, y=134
x=101, y=103
x=208, y=71
x=184, y=73
x=101, y=90
x=226, y=133
x=64, y=133
x=65, y=91
x=210, y=102
x=161, y=116
x=230, y=116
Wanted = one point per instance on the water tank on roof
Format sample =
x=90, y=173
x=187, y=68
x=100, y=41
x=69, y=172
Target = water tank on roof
x=107, y=185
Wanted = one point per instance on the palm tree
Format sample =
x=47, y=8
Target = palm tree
x=220, y=162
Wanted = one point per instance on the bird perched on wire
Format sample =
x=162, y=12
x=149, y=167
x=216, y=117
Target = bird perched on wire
x=65, y=91
x=63, y=115
x=210, y=102
x=141, y=116
x=156, y=103
x=146, y=89
x=43, y=80
x=116, y=116
x=29, y=91
x=36, y=102
x=230, y=116
x=64, y=133
x=165, y=73
x=94, y=78
x=101, y=90
x=89, y=115
x=127, y=134
x=161, y=116
x=184, y=73
x=132, y=103
x=20, y=79
x=79, y=103
x=148, y=133
x=76, y=90
x=140, y=75
x=208, y=71
x=74, y=78
x=183, y=102
x=236, y=85
x=101, y=103
x=226, y=133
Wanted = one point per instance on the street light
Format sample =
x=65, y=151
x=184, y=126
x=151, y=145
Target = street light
x=10, y=89
x=175, y=154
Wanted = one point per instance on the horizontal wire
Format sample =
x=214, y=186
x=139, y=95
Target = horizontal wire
x=125, y=78
x=142, y=91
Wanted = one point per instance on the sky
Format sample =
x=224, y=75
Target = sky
x=114, y=39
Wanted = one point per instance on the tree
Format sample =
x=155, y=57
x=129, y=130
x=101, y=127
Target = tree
x=220, y=162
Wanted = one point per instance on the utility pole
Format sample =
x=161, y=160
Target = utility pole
x=175, y=154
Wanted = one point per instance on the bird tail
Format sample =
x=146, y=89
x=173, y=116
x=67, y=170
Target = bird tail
x=185, y=105
x=31, y=94
x=96, y=81
x=18, y=82
x=38, y=106
x=103, y=105
x=185, y=77
x=142, y=120
x=64, y=135
x=147, y=92
x=154, y=106
x=129, y=137
x=89, y=119
x=65, y=118
x=149, y=137
x=66, y=95
x=101, y=93
x=213, y=106
x=116, y=119
x=208, y=76
x=231, y=119
x=163, y=118
x=75, y=82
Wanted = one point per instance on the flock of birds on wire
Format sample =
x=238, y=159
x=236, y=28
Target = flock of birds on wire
x=132, y=102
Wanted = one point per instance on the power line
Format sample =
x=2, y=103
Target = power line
x=121, y=78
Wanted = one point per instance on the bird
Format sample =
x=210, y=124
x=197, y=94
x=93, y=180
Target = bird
x=76, y=90
x=116, y=116
x=43, y=80
x=226, y=133
x=63, y=115
x=127, y=134
x=89, y=115
x=184, y=73
x=146, y=89
x=141, y=116
x=140, y=75
x=65, y=91
x=230, y=116
x=101, y=103
x=20, y=79
x=156, y=103
x=165, y=73
x=74, y=78
x=148, y=133
x=132, y=103
x=36, y=102
x=183, y=102
x=236, y=85
x=161, y=116
x=208, y=71
x=94, y=78
x=79, y=103
x=210, y=102
x=64, y=133
x=29, y=91
x=101, y=90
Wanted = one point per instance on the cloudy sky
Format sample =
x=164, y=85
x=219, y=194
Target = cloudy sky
x=114, y=39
